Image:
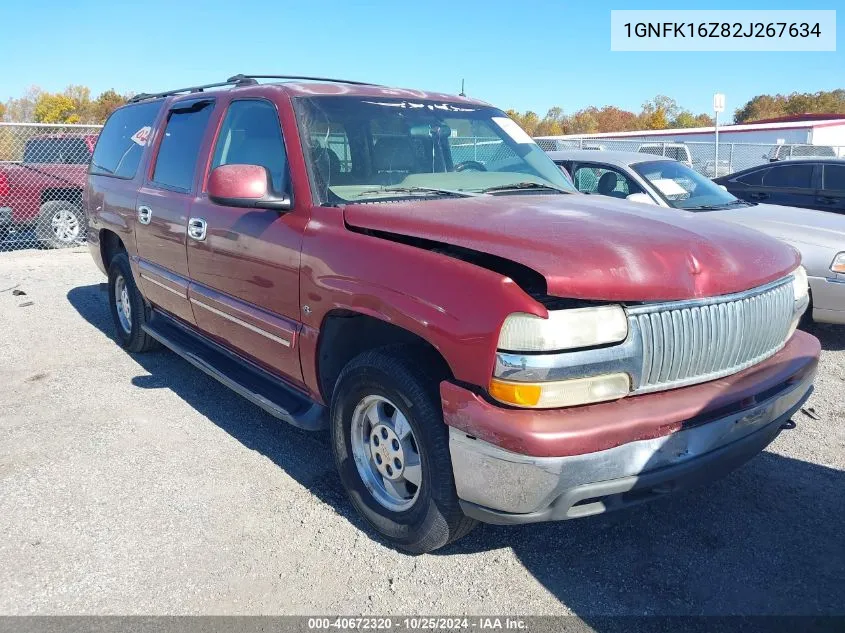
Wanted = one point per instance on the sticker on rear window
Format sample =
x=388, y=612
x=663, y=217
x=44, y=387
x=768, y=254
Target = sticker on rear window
x=512, y=129
x=140, y=137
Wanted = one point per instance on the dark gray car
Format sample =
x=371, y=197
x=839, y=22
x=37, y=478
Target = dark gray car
x=808, y=183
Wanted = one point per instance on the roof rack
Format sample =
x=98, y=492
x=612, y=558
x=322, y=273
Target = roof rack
x=237, y=80
x=240, y=80
x=301, y=77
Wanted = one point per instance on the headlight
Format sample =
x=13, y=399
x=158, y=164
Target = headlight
x=561, y=393
x=801, y=288
x=564, y=329
x=799, y=283
x=838, y=265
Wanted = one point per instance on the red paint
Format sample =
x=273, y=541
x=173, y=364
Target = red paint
x=26, y=184
x=579, y=430
x=455, y=306
x=238, y=181
x=163, y=241
x=592, y=247
x=271, y=342
x=262, y=266
x=151, y=277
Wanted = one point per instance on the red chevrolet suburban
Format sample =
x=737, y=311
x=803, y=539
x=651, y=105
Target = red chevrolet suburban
x=411, y=271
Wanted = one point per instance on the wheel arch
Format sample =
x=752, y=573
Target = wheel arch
x=346, y=333
x=110, y=245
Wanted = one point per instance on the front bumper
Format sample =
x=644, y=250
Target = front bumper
x=828, y=299
x=497, y=484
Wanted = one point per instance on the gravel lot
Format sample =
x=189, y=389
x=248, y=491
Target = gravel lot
x=135, y=484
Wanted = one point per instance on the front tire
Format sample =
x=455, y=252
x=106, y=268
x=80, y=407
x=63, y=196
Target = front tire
x=128, y=310
x=391, y=448
x=60, y=224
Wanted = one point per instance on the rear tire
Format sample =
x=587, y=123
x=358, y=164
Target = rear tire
x=128, y=310
x=393, y=393
x=60, y=224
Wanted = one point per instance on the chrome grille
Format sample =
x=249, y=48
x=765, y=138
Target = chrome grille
x=694, y=341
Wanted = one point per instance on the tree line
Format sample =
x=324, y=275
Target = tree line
x=663, y=112
x=76, y=105
x=770, y=106
x=73, y=105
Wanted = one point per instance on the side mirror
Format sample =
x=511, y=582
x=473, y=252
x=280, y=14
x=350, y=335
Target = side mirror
x=642, y=198
x=245, y=186
x=723, y=187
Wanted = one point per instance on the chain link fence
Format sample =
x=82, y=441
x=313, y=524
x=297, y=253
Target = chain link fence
x=700, y=155
x=43, y=170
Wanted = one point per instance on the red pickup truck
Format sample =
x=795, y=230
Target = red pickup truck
x=411, y=271
x=44, y=190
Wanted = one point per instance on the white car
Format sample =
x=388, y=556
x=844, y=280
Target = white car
x=675, y=151
x=709, y=168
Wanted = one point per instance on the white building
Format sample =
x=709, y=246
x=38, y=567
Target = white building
x=801, y=129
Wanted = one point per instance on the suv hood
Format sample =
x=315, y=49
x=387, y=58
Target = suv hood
x=791, y=224
x=594, y=247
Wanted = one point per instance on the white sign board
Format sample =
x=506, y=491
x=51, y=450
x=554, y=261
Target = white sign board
x=718, y=102
x=669, y=187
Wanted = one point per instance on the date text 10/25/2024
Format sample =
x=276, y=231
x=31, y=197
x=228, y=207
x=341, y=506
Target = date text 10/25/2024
x=462, y=623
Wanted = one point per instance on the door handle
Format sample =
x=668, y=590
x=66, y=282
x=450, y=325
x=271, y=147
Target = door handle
x=145, y=214
x=758, y=196
x=826, y=200
x=197, y=228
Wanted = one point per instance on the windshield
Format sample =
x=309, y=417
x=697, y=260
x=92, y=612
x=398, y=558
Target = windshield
x=684, y=188
x=362, y=149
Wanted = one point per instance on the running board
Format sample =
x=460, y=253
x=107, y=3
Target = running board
x=253, y=383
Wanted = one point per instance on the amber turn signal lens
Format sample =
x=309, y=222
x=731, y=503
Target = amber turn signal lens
x=561, y=393
x=516, y=393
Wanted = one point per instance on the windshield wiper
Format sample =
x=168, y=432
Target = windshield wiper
x=445, y=192
x=718, y=207
x=525, y=185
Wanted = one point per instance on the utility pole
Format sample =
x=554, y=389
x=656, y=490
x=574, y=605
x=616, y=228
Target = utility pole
x=718, y=106
x=462, y=94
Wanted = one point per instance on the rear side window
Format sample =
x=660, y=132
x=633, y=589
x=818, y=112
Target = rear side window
x=179, y=149
x=651, y=149
x=789, y=176
x=753, y=179
x=834, y=177
x=122, y=140
x=813, y=150
x=603, y=181
x=678, y=153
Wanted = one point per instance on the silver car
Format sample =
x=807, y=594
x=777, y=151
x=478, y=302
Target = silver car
x=819, y=236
